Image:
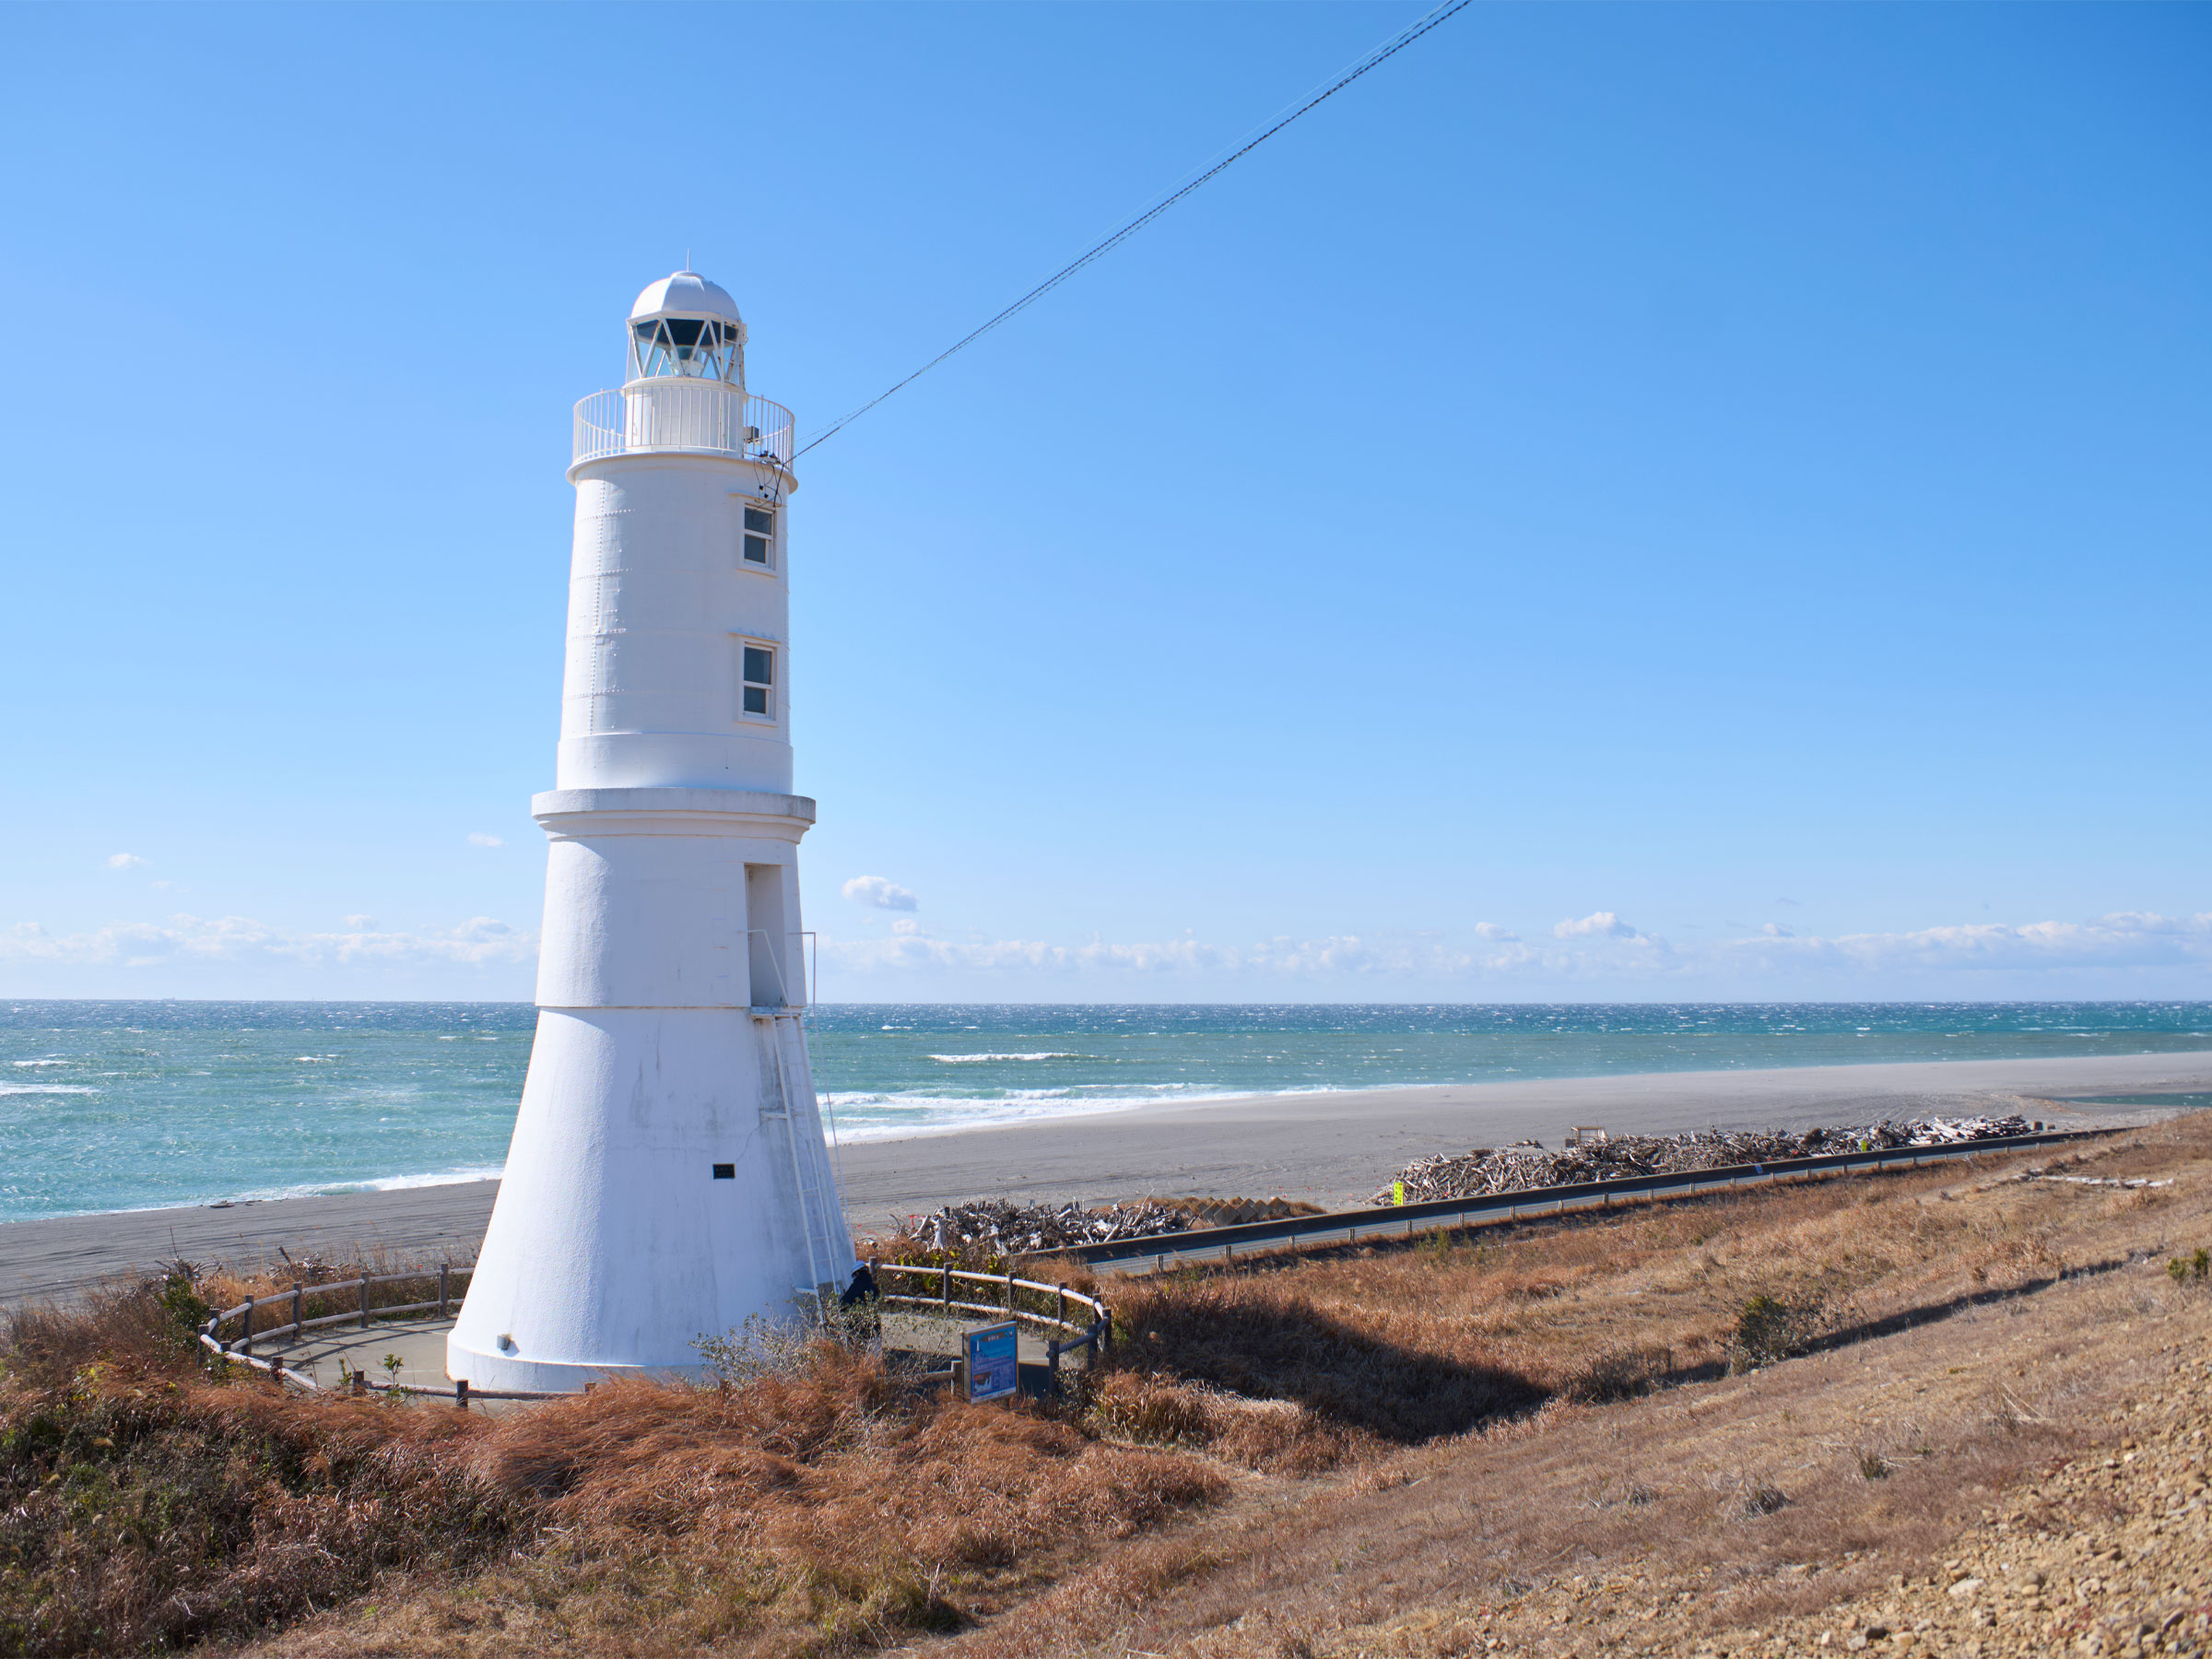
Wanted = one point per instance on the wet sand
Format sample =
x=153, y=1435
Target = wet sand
x=1334, y=1149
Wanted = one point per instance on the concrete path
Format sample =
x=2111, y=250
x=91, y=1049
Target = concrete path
x=328, y=1355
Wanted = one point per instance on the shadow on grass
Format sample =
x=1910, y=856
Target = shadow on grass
x=1890, y=1325
x=1286, y=1349
x=1928, y=1313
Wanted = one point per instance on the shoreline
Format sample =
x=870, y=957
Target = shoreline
x=1330, y=1146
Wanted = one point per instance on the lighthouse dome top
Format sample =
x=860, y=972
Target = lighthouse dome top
x=689, y=328
x=685, y=294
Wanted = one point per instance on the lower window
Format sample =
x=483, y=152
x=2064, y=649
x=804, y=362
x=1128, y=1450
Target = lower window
x=759, y=689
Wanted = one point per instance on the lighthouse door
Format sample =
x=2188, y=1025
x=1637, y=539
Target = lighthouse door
x=764, y=919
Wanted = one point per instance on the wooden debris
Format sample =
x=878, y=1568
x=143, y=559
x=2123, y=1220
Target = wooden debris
x=1011, y=1228
x=1530, y=1164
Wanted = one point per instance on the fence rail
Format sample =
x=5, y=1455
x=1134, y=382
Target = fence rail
x=1092, y=1333
x=682, y=414
x=1158, y=1252
x=241, y=1349
x=296, y=1298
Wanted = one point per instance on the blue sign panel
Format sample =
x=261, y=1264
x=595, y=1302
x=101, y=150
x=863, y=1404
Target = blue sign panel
x=992, y=1362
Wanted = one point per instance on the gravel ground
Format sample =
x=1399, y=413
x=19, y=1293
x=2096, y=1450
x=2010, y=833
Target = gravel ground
x=2106, y=1555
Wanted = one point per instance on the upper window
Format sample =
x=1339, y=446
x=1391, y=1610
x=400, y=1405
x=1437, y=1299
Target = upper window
x=690, y=347
x=761, y=537
x=759, y=689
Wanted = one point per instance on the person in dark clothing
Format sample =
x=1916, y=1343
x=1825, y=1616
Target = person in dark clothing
x=862, y=1288
x=863, y=1301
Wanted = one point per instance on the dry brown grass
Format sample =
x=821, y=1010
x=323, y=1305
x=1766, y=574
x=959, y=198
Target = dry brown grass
x=144, y=1507
x=1416, y=1448
x=149, y=1505
x=1950, y=1362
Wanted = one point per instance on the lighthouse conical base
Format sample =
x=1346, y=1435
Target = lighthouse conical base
x=667, y=1182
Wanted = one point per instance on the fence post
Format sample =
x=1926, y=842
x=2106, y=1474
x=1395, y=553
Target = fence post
x=444, y=1268
x=364, y=1302
x=944, y=1289
x=1009, y=1292
x=1051, y=1365
x=1060, y=1307
x=296, y=1311
x=461, y=1393
x=246, y=1344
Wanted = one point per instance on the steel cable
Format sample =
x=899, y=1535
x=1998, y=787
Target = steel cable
x=1381, y=54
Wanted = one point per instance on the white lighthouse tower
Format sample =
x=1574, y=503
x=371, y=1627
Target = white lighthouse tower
x=667, y=1177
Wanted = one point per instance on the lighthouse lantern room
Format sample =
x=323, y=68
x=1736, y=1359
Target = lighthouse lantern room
x=667, y=1178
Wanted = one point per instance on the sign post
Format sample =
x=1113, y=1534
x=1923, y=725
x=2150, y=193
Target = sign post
x=993, y=1363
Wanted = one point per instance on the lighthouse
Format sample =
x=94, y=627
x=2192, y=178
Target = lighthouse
x=667, y=1177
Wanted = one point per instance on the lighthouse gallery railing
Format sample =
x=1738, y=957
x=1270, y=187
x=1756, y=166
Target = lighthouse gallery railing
x=682, y=414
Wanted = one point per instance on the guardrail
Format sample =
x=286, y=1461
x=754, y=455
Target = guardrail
x=671, y=414
x=1092, y=1334
x=1158, y=1252
x=241, y=1349
x=296, y=1299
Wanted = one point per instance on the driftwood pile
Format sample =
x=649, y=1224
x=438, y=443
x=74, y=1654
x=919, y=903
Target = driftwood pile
x=1011, y=1228
x=1531, y=1164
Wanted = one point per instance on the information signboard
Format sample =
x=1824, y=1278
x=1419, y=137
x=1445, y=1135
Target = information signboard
x=993, y=1364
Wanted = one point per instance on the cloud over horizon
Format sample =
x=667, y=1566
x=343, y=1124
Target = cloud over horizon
x=185, y=940
x=1602, y=924
x=2127, y=953
x=879, y=893
x=1598, y=948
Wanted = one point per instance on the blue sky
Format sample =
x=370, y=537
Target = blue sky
x=1622, y=502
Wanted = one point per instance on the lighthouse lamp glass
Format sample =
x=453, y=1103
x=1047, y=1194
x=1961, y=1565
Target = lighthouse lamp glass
x=688, y=347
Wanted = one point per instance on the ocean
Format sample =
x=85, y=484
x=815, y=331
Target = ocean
x=134, y=1105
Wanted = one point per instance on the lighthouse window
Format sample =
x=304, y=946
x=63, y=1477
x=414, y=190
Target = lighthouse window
x=760, y=680
x=759, y=534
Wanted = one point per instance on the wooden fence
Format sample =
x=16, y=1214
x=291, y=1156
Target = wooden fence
x=1090, y=1332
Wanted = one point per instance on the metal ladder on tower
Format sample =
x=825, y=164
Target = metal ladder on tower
x=804, y=1162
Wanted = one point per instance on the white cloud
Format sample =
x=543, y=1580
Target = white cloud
x=125, y=861
x=360, y=923
x=879, y=893
x=906, y=924
x=2128, y=940
x=239, y=940
x=2123, y=949
x=1597, y=925
x=477, y=838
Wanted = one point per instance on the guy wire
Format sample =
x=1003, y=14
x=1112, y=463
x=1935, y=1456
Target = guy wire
x=1389, y=48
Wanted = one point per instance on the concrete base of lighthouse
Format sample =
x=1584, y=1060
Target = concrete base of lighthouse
x=667, y=1178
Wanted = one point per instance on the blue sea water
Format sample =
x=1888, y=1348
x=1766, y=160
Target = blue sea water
x=129, y=1105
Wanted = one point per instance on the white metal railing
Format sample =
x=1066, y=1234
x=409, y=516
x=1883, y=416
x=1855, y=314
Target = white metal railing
x=682, y=414
x=934, y=1287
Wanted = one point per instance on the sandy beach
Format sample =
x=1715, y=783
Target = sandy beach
x=1331, y=1148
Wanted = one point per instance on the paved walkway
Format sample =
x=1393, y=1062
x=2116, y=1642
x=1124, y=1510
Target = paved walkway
x=328, y=1355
